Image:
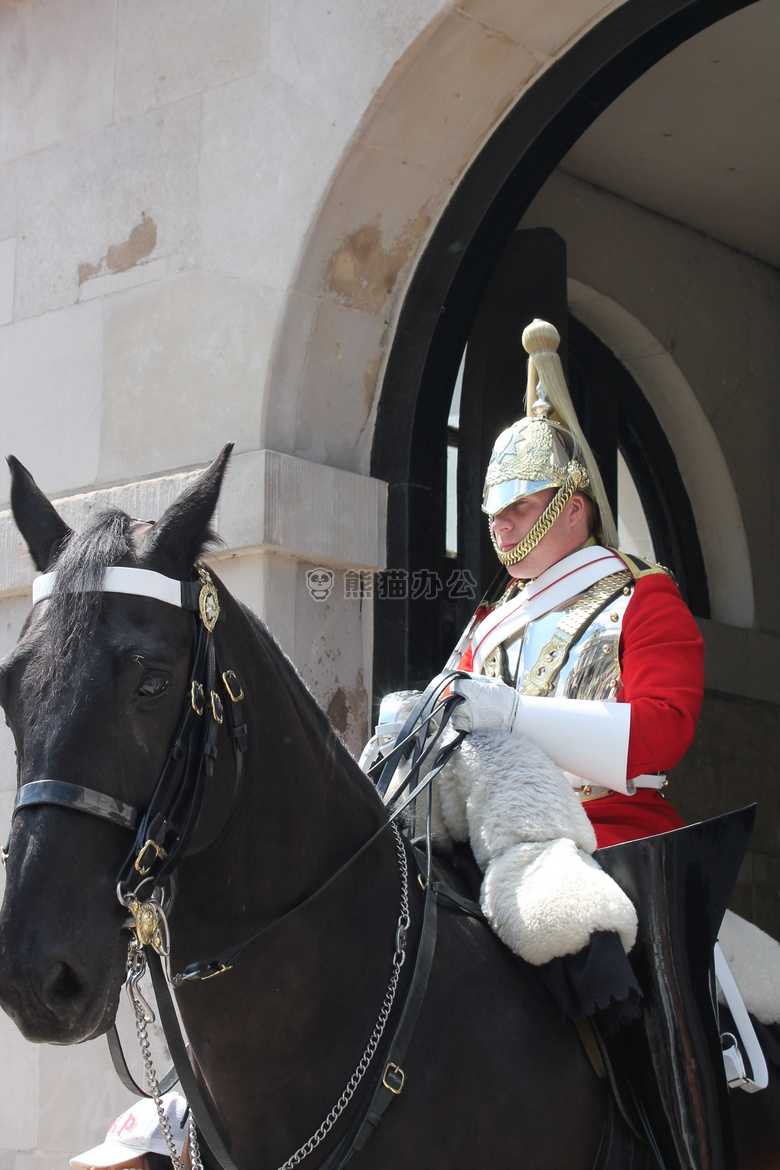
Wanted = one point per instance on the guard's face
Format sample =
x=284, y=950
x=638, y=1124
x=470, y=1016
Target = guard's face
x=516, y=521
x=566, y=534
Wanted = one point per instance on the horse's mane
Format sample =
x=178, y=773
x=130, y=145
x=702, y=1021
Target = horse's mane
x=307, y=703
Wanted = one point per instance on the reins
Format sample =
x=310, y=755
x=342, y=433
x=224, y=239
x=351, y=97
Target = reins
x=164, y=833
x=391, y=1082
x=207, y=969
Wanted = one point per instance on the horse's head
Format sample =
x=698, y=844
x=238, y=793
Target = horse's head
x=93, y=694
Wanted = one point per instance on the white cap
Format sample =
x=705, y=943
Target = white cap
x=137, y=1131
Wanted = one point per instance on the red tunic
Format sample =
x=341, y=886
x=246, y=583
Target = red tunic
x=662, y=672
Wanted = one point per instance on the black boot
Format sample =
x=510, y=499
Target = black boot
x=670, y=1060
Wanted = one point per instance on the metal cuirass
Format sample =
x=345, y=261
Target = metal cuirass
x=571, y=651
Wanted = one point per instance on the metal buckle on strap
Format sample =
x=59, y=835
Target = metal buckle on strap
x=232, y=685
x=197, y=697
x=223, y=967
x=217, y=709
x=159, y=855
x=396, y=1076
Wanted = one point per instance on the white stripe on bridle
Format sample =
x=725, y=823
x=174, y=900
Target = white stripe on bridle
x=116, y=579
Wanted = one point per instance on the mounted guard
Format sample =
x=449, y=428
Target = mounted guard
x=584, y=685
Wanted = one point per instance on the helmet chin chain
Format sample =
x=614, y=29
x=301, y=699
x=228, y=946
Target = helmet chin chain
x=542, y=525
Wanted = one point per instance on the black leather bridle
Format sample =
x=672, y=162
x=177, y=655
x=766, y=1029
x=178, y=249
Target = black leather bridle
x=164, y=830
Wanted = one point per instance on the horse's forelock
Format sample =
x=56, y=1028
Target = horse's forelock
x=73, y=610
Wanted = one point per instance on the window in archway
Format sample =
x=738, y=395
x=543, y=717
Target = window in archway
x=633, y=530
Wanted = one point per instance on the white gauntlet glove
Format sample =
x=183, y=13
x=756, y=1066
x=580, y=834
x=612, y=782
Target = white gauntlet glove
x=490, y=705
x=584, y=737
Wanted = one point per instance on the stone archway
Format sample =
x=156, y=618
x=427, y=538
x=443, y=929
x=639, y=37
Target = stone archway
x=418, y=203
x=465, y=130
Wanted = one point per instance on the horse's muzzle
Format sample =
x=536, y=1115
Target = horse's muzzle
x=50, y=999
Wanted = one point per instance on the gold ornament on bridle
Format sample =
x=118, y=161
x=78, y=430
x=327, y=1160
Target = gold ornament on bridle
x=546, y=449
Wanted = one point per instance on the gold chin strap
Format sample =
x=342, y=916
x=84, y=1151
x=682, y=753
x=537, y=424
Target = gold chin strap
x=542, y=525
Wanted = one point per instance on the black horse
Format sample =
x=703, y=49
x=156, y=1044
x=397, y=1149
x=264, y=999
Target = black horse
x=93, y=694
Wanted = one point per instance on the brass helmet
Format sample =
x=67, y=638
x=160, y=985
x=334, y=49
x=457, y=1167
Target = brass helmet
x=546, y=449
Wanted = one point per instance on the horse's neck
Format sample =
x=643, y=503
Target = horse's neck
x=304, y=806
x=313, y=983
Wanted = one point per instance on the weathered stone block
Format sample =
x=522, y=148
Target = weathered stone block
x=50, y=368
x=56, y=72
x=307, y=36
x=538, y=25
x=184, y=367
x=169, y=51
x=266, y=159
x=112, y=202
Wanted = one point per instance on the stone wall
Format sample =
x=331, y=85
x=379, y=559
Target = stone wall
x=160, y=166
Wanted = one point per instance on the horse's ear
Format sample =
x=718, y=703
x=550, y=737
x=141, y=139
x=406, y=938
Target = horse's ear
x=176, y=540
x=42, y=527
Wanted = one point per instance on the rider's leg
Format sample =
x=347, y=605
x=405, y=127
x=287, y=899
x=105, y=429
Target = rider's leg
x=680, y=883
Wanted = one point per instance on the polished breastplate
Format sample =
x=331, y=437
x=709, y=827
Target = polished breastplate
x=571, y=651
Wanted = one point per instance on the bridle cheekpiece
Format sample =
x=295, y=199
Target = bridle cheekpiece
x=164, y=830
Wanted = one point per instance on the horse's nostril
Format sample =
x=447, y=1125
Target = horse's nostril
x=62, y=989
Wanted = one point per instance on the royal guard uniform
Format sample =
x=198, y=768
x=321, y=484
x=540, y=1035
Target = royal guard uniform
x=604, y=654
x=608, y=663
x=579, y=689
x=598, y=662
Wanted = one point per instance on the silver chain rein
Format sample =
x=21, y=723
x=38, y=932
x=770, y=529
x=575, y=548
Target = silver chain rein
x=136, y=969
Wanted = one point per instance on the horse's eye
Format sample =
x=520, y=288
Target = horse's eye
x=154, y=686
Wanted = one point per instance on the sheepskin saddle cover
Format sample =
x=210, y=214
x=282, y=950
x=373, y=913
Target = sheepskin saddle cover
x=543, y=893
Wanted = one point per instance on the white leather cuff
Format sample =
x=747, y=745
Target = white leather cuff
x=582, y=736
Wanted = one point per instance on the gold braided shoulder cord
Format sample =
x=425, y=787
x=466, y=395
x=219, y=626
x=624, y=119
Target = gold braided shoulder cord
x=545, y=522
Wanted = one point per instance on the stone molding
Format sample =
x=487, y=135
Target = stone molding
x=269, y=502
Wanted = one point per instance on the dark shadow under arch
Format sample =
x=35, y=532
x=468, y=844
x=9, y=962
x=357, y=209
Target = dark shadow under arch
x=409, y=450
